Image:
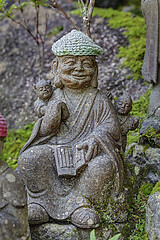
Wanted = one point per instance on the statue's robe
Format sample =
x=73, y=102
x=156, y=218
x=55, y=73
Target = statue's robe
x=91, y=115
x=150, y=10
x=13, y=206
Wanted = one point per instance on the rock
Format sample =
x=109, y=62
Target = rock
x=149, y=122
x=153, y=155
x=153, y=217
x=50, y=231
x=144, y=164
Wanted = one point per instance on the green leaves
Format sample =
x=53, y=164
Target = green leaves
x=2, y=4
x=92, y=235
x=115, y=237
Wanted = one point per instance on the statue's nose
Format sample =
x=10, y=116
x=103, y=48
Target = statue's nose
x=79, y=66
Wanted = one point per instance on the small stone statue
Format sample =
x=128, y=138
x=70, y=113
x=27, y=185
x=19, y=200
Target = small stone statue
x=13, y=201
x=72, y=159
x=123, y=107
x=44, y=91
x=151, y=63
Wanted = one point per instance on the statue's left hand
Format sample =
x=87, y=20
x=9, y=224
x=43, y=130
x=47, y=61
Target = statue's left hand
x=91, y=147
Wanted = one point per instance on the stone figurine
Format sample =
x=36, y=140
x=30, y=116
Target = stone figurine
x=151, y=63
x=70, y=166
x=123, y=107
x=13, y=201
x=44, y=90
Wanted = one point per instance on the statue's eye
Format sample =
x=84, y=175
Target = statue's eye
x=47, y=87
x=70, y=63
x=86, y=64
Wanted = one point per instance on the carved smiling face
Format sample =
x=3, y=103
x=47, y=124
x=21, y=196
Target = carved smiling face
x=124, y=105
x=44, y=89
x=76, y=71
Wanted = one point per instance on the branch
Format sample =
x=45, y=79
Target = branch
x=63, y=12
x=90, y=10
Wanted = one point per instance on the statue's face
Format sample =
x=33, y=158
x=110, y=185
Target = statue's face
x=44, y=91
x=123, y=106
x=76, y=71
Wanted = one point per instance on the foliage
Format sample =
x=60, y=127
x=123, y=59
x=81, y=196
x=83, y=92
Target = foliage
x=156, y=188
x=137, y=214
x=140, y=109
x=93, y=237
x=13, y=143
x=134, y=29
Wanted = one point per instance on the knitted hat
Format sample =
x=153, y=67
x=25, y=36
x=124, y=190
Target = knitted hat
x=76, y=43
x=3, y=126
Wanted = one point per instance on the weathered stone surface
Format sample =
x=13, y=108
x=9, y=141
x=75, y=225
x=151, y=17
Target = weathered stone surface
x=153, y=217
x=54, y=231
x=144, y=163
x=149, y=122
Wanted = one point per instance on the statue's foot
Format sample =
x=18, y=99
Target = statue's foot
x=85, y=218
x=37, y=214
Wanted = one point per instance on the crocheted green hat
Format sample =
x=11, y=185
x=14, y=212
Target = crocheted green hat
x=76, y=43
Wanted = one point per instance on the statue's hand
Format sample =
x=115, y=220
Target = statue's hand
x=135, y=122
x=91, y=147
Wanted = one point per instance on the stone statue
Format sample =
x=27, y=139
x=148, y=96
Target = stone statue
x=13, y=201
x=44, y=91
x=123, y=107
x=70, y=166
x=151, y=64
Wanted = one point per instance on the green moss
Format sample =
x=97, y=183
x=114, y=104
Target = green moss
x=135, y=31
x=156, y=188
x=13, y=143
x=137, y=214
x=150, y=135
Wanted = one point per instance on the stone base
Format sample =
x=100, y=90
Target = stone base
x=53, y=231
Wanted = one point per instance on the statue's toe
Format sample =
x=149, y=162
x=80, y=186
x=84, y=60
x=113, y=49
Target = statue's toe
x=37, y=214
x=85, y=218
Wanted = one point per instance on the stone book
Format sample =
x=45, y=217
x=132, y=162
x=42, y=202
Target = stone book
x=69, y=160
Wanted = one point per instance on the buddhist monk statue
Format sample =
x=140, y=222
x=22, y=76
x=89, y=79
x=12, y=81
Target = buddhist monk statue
x=13, y=199
x=72, y=159
x=151, y=63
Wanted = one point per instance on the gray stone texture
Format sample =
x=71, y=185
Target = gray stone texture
x=153, y=217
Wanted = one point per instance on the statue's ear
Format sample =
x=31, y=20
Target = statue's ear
x=54, y=66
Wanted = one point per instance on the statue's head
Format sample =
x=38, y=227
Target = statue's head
x=75, y=65
x=3, y=131
x=44, y=89
x=124, y=104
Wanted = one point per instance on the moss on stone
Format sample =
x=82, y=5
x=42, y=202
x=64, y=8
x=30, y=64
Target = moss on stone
x=156, y=188
x=150, y=136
